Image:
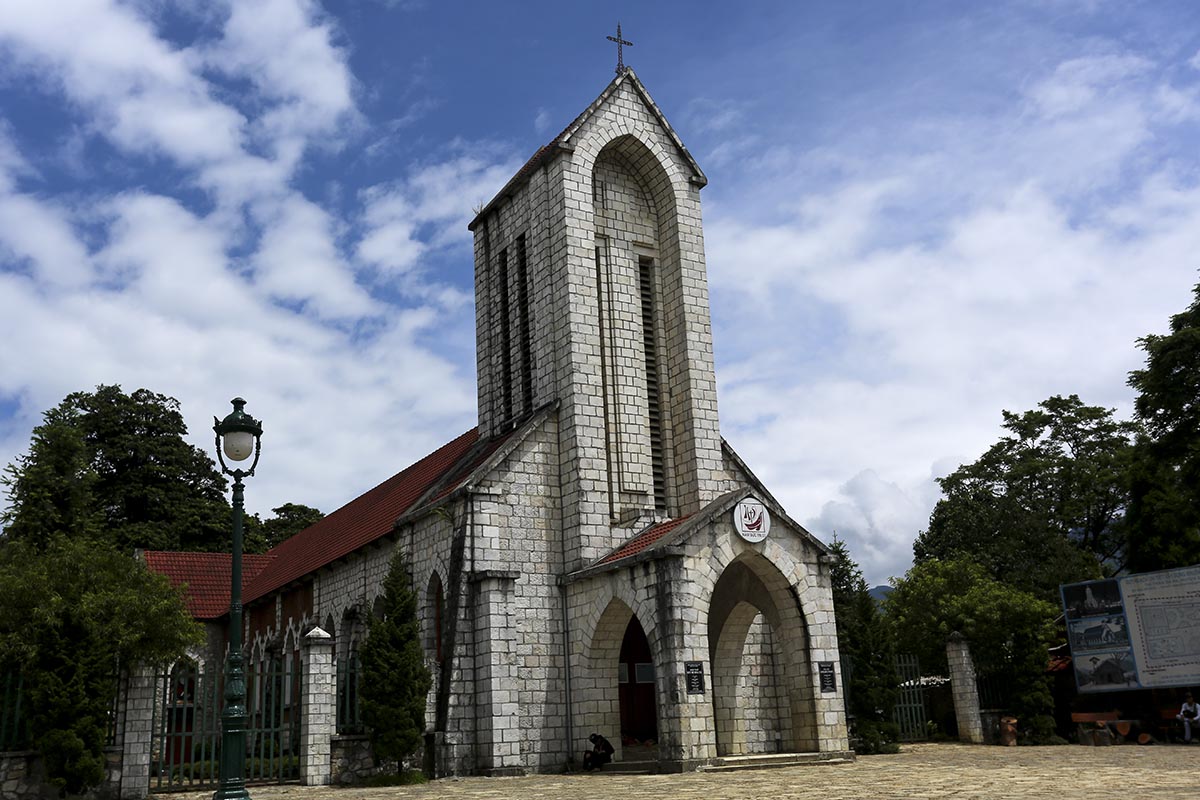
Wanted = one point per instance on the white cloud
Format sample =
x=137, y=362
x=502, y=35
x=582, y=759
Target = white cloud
x=107, y=59
x=428, y=211
x=285, y=48
x=297, y=261
x=875, y=518
x=39, y=234
x=866, y=347
x=1076, y=84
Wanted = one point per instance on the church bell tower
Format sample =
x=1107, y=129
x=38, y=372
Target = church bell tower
x=591, y=294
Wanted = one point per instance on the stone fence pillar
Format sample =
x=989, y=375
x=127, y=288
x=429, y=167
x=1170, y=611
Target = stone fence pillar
x=137, y=735
x=966, y=695
x=318, y=709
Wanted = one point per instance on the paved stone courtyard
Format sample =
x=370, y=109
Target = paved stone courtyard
x=922, y=771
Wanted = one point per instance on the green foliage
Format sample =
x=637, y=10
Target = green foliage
x=116, y=467
x=1044, y=505
x=1040, y=730
x=287, y=766
x=1009, y=631
x=864, y=639
x=1164, y=511
x=395, y=681
x=70, y=613
x=289, y=519
x=408, y=777
x=876, y=737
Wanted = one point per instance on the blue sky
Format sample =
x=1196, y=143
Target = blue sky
x=918, y=214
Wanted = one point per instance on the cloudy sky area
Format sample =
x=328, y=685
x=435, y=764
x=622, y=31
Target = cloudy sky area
x=918, y=214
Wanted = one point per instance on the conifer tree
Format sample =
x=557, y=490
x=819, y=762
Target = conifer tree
x=395, y=680
x=866, y=644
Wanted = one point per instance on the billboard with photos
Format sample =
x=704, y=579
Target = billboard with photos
x=1138, y=631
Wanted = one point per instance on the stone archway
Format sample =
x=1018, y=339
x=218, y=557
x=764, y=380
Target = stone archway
x=619, y=637
x=763, y=699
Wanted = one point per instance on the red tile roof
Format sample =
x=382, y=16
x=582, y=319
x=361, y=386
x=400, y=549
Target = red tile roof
x=1058, y=664
x=642, y=540
x=366, y=518
x=204, y=577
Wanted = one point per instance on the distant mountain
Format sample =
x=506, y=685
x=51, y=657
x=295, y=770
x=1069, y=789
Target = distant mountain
x=878, y=593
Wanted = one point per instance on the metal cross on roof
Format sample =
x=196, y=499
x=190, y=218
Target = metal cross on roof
x=621, y=68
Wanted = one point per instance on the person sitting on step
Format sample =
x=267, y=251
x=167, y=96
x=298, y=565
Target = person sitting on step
x=1188, y=713
x=600, y=754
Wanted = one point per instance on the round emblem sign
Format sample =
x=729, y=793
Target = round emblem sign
x=752, y=520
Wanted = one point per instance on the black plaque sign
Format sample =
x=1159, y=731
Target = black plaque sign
x=693, y=675
x=828, y=678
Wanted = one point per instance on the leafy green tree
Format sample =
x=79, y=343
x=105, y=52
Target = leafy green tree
x=395, y=680
x=51, y=487
x=1044, y=505
x=1164, y=510
x=116, y=466
x=289, y=519
x=70, y=613
x=865, y=641
x=1009, y=630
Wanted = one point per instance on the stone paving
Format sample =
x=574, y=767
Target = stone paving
x=918, y=772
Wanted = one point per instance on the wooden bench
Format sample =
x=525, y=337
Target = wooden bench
x=1093, y=726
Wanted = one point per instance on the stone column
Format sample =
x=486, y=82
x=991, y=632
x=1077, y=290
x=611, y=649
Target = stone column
x=966, y=695
x=497, y=712
x=318, y=709
x=137, y=738
x=687, y=731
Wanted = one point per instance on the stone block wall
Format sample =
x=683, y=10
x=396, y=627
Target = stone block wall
x=639, y=195
x=517, y=528
x=22, y=777
x=352, y=759
x=759, y=691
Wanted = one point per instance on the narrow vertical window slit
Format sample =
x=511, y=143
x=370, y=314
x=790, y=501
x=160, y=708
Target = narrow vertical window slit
x=506, y=370
x=654, y=416
x=523, y=326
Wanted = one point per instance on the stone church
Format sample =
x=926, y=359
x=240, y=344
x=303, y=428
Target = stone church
x=593, y=557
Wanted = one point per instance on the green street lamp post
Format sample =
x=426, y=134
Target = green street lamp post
x=239, y=435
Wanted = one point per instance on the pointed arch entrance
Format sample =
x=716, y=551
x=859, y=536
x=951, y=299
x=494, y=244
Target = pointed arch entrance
x=635, y=687
x=622, y=678
x=763, y=699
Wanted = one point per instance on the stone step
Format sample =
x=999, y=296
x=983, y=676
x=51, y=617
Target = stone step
x=775, y=760
x=631, y=767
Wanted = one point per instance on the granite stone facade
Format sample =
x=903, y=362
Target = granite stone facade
x=598, y=394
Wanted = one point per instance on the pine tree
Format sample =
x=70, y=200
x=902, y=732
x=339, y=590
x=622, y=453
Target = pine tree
x=395, y=680
x=866, y=644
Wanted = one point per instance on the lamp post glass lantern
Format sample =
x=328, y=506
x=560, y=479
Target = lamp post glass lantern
x=239, y=436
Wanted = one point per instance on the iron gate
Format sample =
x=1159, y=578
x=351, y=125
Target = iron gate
x=909, y=712
x=186, y=750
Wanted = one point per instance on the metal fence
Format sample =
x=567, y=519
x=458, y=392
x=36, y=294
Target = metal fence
x=349, y=711
x=14, y=713
x=995, y=691
x=187, y=725
x=909, y=713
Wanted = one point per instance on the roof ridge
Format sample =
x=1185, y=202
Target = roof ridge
x=364, y=519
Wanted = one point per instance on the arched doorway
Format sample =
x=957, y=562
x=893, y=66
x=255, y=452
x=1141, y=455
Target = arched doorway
x=635, y=688
x=758, y=647
x=620, y=682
